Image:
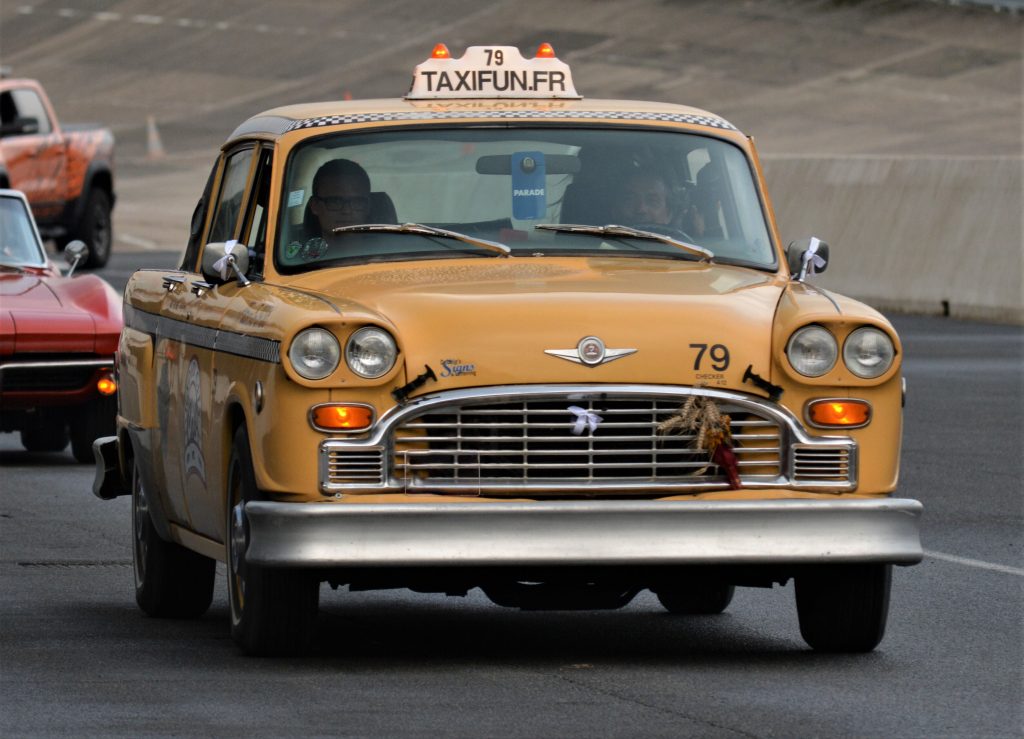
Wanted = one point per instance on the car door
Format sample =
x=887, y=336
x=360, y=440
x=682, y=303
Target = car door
x=230, y=308
x=33, y=152
x=185, y=363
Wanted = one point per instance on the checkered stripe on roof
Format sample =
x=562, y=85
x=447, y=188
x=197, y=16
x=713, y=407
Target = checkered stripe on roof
x=428, y=115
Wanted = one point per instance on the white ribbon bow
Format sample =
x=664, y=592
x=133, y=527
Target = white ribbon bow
x=812, y=261
x=223, y=265
x=584, y=419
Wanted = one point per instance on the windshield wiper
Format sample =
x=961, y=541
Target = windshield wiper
x=13, y=268
x=421, y=230
x=625, y=231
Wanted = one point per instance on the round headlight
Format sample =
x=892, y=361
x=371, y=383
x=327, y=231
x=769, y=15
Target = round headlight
x=812, y=351
x=371, y=352
x=868, y=352
x=314, y=353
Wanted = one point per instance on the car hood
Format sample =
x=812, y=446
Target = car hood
x=58, y=314
x=493, y=322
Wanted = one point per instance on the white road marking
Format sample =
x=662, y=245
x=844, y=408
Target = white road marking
x=26, y=10
x=107, y=16
x=981, y=565
x=138, y=241
x=150, y=20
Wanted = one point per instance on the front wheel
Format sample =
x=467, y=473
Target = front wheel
x=170, y=581
x=96, y=419
x=96, y=228
x=843, y=608
x=44, y=431
x=273, y=611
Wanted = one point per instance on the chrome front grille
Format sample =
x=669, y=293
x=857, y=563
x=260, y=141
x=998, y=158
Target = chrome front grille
x=821, y=464
x=519, y=440
x=530, y=443
x=353, y=467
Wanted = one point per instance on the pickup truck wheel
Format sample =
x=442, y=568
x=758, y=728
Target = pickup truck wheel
x=696, y=599
x=273, y=611
x=44, y=431
x=170, y=580
x=96, y=228
x=844, y=608
x=96, y=419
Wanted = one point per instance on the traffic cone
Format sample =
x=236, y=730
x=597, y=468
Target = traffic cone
x=154, y=147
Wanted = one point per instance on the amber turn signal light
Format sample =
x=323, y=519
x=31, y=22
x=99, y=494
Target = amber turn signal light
x=441, y=52
x=341, y=417
x=545, y=51
x=839, y=413
x=106, y=385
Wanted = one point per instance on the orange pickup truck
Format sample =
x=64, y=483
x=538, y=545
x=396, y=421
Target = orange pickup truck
x=67, y=173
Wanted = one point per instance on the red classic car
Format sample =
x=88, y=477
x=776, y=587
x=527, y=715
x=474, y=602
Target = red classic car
x=57, y=341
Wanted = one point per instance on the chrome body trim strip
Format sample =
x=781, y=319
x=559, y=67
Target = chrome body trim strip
x=109, y=362
x=570, y=533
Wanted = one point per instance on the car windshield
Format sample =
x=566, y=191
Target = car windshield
x=501, y=184
x=19, y=245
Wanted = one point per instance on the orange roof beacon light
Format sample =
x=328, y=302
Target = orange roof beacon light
x=106, y=385
x=489, y=72
x=838, y=413
x=545, y=51
x=343, y=417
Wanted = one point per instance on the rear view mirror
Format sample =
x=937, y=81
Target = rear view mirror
x=75, y=253
x=223, y=261
x=553, y=164
x=807, y=257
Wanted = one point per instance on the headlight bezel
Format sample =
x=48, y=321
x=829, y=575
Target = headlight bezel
x=804, y=331
x=848, y=350
x=362, y=334
x=332, y=358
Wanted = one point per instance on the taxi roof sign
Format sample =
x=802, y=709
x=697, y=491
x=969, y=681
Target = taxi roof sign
x=492, y=72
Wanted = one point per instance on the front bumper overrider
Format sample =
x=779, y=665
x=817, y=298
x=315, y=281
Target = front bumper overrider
x=582, y=533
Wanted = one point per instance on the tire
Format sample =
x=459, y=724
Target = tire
x=96, y=419
x=273, y=611
x=44, y=432
x=96, y=228
x=696, y=599
x=170, y=580
x=844, y=608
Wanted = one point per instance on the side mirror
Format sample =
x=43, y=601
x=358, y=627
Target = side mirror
x=807, y=257
x=223, y=261
x=74, y=253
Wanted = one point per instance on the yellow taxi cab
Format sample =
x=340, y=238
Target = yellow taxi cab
x=494, y=334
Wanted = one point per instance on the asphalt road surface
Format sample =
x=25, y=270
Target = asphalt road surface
x=869, y=78
x=78, y=658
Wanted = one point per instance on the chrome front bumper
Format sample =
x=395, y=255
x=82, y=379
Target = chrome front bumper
x=572, y=533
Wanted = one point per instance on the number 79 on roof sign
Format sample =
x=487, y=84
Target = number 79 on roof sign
x=492, y=72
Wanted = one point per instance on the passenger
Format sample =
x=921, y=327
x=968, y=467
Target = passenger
x=703, y=214
x=645, y=200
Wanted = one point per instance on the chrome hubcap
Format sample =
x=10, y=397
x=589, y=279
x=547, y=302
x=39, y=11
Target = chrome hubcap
x=238, y=541
x=140, y=514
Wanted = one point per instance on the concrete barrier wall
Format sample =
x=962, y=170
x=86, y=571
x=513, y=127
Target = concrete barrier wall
x=921, y=235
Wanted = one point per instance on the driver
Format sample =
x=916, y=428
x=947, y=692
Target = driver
x=341, y=197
